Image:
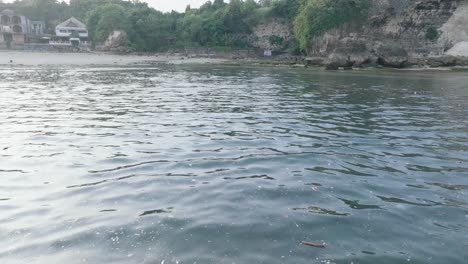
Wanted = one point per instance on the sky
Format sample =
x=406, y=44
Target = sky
x=166, y=5
x=178, y=5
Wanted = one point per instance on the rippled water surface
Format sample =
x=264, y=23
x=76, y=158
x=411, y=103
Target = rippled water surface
x=211, y=164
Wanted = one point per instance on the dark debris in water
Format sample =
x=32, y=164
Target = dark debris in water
x=313, y=244
x=5, y=199
x=108, y=210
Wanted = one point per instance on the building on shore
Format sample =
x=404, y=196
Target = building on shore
x=16, y=29
x=71, y=32
x=19, y=32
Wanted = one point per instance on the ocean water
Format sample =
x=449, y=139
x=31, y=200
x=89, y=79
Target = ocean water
x=214, y=164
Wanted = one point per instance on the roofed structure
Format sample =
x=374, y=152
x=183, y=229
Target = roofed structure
x=16, y=29
x=71, y=26
x=13, y=22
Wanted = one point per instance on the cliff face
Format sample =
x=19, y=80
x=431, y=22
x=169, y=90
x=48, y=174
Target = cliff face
x=416, y=29
x=455, y=31
x=271, y=35
x=398, y=30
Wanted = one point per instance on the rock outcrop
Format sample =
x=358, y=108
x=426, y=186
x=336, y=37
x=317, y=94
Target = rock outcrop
x=399, y=33
x=454, y=32
x=117, y=42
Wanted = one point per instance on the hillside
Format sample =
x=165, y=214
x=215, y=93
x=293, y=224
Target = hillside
x=397, y=33
x=394, y=33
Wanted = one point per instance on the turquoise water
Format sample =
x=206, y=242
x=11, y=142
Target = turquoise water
x=211, y=164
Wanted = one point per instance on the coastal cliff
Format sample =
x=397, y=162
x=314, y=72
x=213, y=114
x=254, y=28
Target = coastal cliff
x=334, y=33
x=395, y=33
x=399, y=34
x=271, y=35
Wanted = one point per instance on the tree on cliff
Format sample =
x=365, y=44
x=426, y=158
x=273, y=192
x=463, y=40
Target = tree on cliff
x=318, y=16
x=286, y=9
x=105, y=19
x=215, y=23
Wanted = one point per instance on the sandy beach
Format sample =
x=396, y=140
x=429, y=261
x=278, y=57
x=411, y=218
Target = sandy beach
x=56, y=58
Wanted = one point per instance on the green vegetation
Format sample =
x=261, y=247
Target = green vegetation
x=432, y=34
x=317, y=16
x=104, y=19
x=214, y=24
x=276, y=40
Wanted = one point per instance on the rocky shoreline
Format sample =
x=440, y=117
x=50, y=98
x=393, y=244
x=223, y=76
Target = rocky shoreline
x=392, y=58
x=355, y=61
x=334, y=62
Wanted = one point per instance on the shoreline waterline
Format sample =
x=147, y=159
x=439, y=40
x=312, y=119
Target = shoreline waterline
x=31, y=58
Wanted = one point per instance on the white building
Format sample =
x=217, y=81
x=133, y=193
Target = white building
x=71, y=27
x=71, y=32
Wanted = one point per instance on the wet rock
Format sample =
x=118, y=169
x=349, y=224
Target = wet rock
x=393, y=62
x=336, y=61
x=349, y=53
x=443, y=61
x=315, y=61
x=392, y=56
x=331, y=67
x=462, y=61
x=361, y=59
